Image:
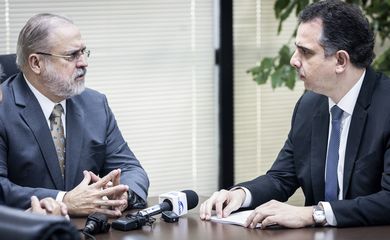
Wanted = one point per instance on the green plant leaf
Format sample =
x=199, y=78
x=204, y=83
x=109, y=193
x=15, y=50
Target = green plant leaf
x=285, y=13
x=382, y=63
x=284, y=55
x=291, y=79
x=279, y=6
x=277, y=78
x=261, y=73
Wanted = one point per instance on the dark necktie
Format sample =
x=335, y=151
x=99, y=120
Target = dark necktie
x=57, y=133
x=331, y=182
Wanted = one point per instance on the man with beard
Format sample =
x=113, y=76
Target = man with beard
x=58, y=139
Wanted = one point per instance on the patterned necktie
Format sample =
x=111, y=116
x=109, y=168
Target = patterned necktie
x=331, y=182
x=57, y=133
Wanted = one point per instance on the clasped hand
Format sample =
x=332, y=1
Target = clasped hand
x=94, y=194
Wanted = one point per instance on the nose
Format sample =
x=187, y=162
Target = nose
x=294, y=61
x=82, y=61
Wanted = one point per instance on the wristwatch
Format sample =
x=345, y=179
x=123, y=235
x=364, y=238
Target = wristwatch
x=319, y=215
x=131, y=198
x=134, y=201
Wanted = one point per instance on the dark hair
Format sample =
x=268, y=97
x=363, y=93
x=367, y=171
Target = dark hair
x=344, y=28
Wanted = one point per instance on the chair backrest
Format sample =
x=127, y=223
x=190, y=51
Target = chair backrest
x=8, y=66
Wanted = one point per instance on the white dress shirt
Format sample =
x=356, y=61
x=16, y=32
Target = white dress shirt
x=347, y=104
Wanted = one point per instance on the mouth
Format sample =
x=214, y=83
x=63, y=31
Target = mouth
x=301, y=76
x=80, y=74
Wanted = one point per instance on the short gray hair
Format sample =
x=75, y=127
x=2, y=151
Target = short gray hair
x=34, y=36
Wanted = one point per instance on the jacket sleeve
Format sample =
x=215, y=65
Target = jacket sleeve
x=119, y=155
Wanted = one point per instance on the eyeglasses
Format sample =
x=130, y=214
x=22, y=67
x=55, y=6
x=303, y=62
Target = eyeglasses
x=71, y=57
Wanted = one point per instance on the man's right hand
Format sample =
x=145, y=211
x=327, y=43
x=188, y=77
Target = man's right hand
x=224, y=202
x=48, y=206
x=87, y=198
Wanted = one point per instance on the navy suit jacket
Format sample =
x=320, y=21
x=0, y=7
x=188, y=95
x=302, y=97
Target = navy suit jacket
x=28, y=160
x=301, y=162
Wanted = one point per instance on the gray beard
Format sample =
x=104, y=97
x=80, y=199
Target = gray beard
x=61, y=87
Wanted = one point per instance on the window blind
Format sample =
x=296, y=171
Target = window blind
x=262, y=115
x=155, y=62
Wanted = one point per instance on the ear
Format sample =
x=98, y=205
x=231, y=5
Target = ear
x=34, y=63
x=342, y=58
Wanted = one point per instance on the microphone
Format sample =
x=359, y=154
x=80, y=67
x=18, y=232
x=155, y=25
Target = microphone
x=180, y=202
x=96, y=223
x=177, y=202
x=156, y=209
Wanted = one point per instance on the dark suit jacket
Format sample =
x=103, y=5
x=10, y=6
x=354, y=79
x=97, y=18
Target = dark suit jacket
x=28, y=160
x=301, y=162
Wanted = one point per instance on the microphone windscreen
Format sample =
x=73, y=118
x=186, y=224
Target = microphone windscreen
x=192, y=199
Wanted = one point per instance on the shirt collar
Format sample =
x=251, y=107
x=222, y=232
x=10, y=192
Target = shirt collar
x=46, y=104
x=348, y=102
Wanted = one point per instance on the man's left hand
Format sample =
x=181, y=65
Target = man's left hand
x=115, y=182
x=275, y=212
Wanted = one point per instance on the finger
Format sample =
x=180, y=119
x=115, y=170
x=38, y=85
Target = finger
x=123, y=207
x=110, y=203
x=208, y=206
x=269, y=221
x=109, y=184
x=64, y=209
x=104, y=180
x=47, y=204
x=87, y=178
x=117, y=179
x=115, y=182
x=202, y=211
x=205, y=209
x=221, y=198
x=258, y=218
x=94, y=177
x=35, y=205
x=114, y=191
x=250, y=218
x=234, y=201
x=232, y=206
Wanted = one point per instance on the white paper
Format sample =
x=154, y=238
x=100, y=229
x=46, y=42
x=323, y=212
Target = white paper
x=237, y=218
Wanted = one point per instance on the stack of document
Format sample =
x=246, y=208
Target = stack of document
x=237, y=218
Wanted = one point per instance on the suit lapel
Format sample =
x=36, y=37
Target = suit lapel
x=74, y=141
x=319, y=144
x=357, y=127
x=33, y=116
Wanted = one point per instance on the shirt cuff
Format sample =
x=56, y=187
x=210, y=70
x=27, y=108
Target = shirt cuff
x=329, y=215
x=60, y=196
x=248, y=196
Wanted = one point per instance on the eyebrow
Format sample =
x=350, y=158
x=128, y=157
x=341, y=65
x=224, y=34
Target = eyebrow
x=305, y=49
x=76, y=50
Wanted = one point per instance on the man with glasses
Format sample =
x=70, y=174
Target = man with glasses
x=57, y=138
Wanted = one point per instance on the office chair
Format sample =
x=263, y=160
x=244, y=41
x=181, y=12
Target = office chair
x=8, y=66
